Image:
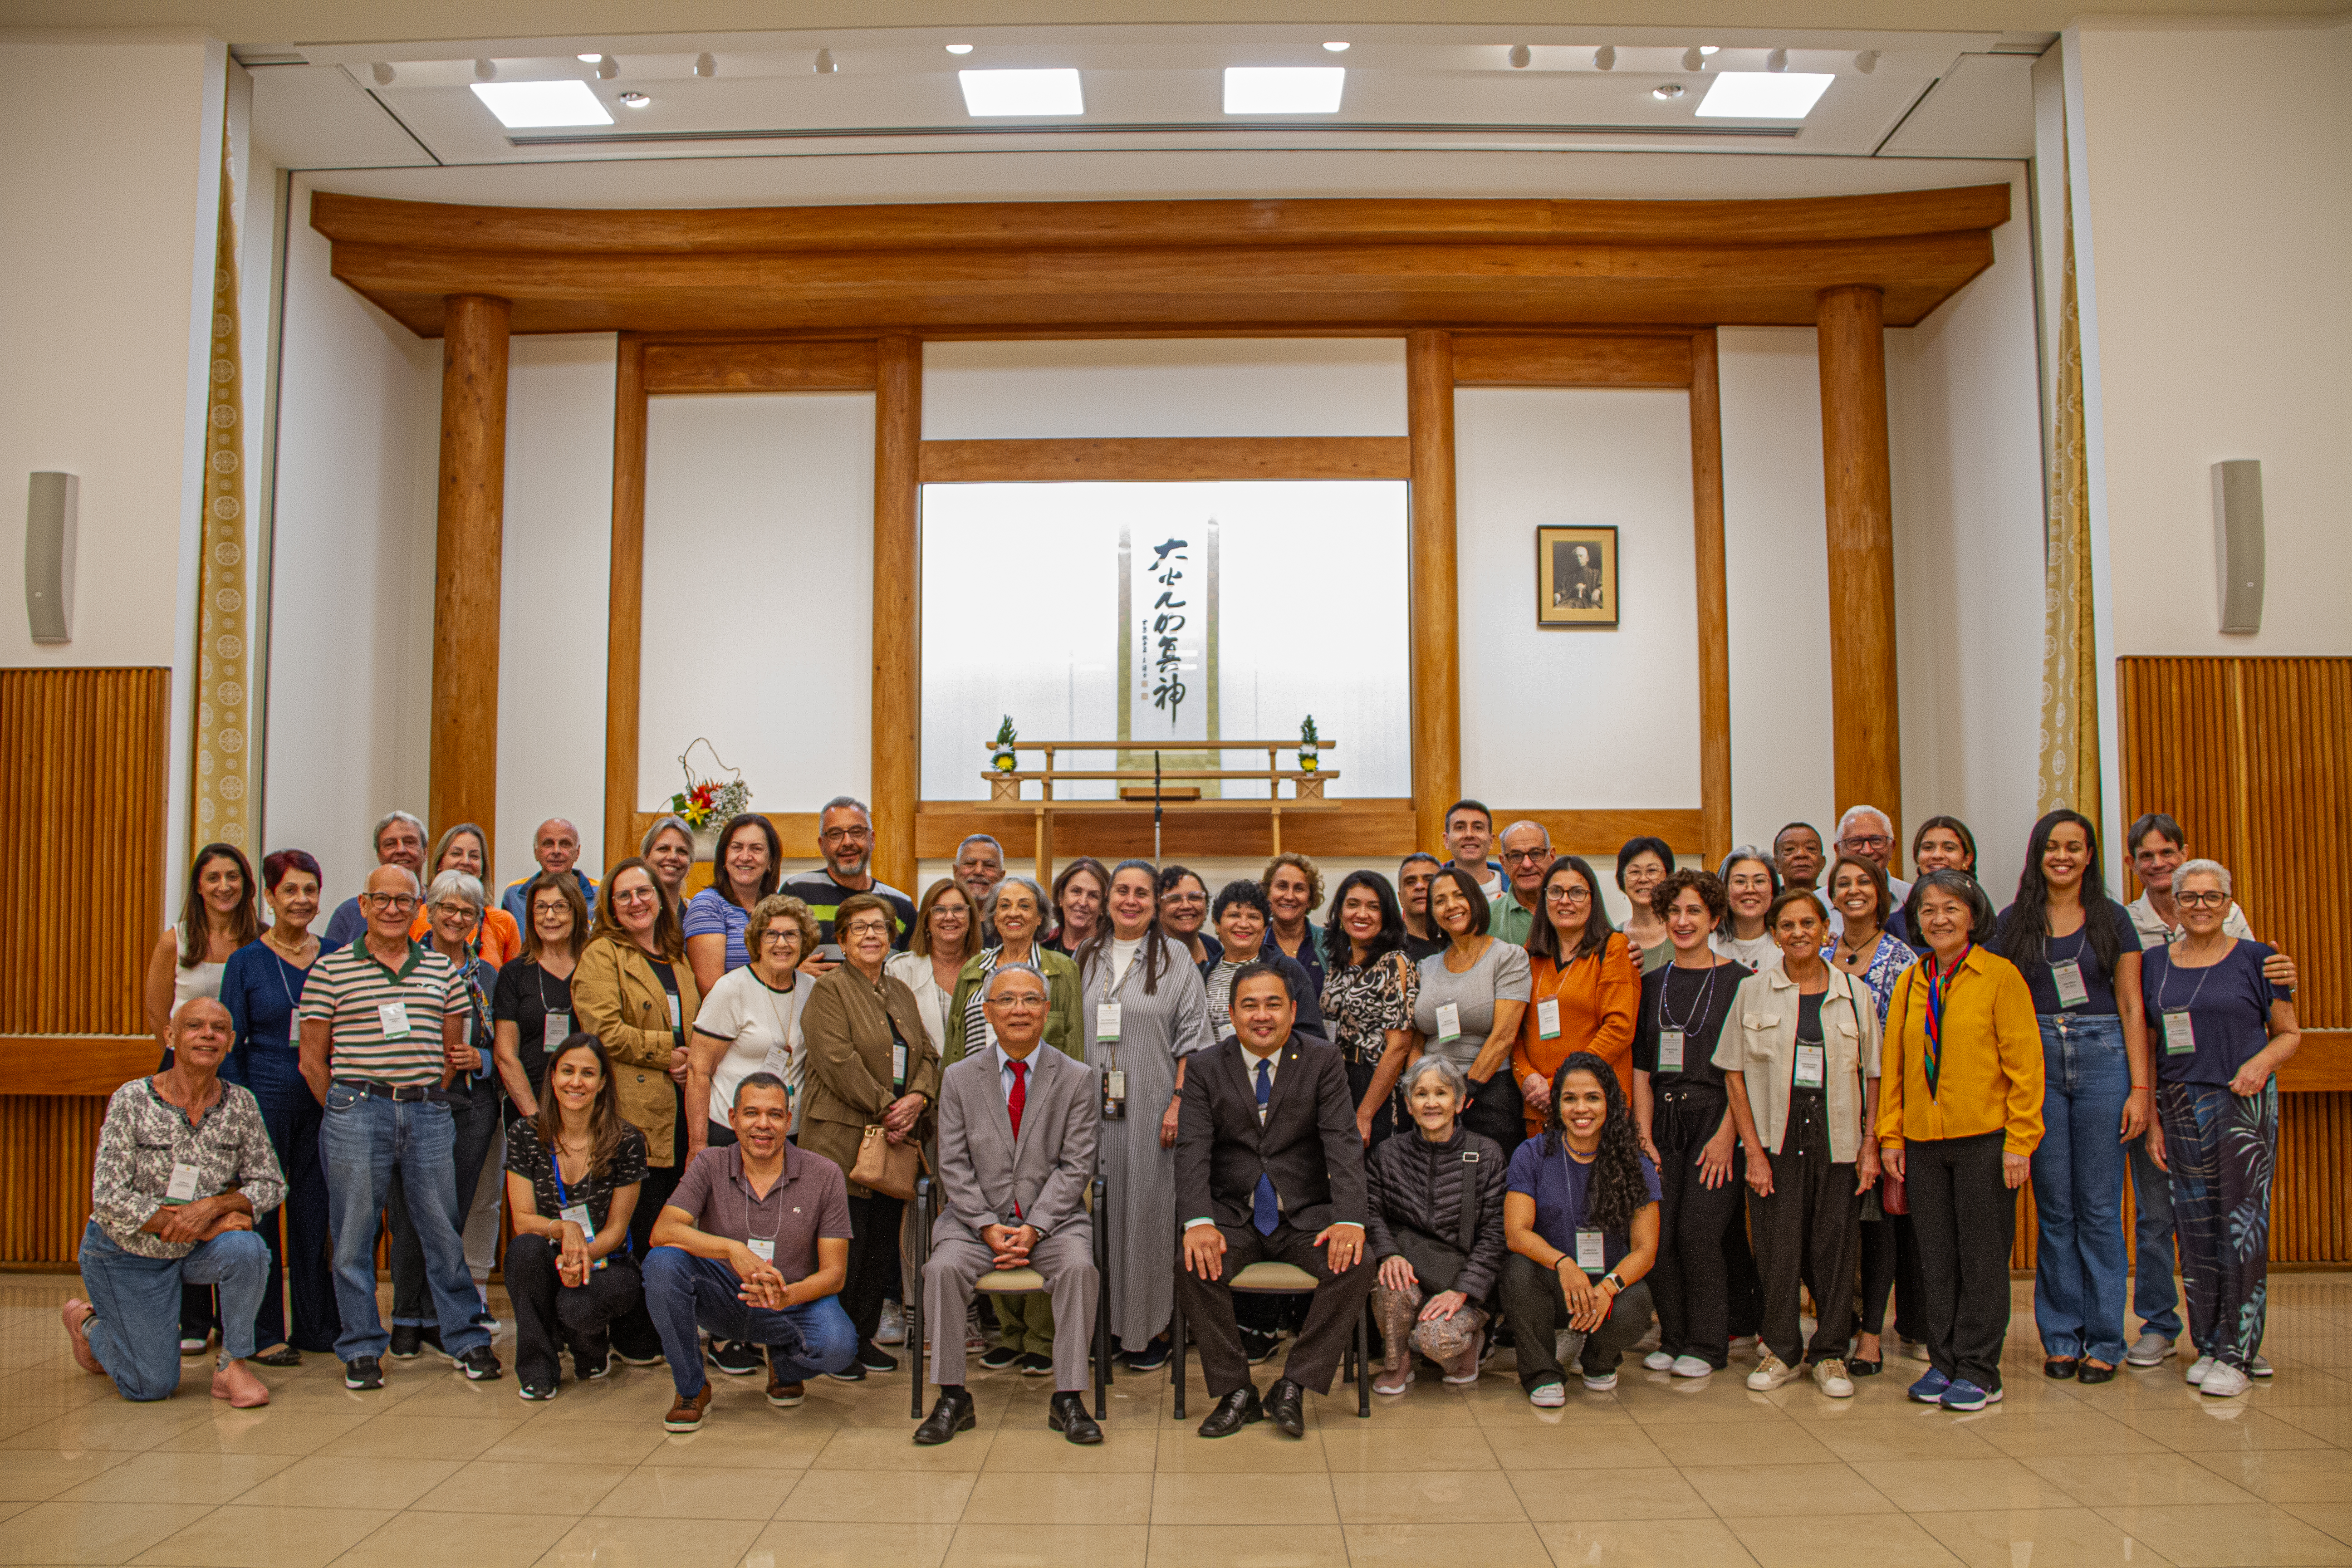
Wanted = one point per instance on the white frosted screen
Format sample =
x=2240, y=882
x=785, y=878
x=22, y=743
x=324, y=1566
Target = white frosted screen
x=759, y=593
x=1163, y=386
x=1299, y=607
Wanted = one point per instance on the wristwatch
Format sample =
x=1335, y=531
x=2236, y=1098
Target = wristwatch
x=1614, y=1284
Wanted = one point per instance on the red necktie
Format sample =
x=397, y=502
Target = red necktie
x=1019, y=1097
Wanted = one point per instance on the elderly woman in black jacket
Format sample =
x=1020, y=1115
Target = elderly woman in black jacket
x=1436, y=1227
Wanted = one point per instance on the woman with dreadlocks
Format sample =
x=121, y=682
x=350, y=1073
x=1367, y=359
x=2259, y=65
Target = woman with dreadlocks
x=1580, y=1217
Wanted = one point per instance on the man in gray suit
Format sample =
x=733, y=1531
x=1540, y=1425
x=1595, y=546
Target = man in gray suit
x=1018, y=1123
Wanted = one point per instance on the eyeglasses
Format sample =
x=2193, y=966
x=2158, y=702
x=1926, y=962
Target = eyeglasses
x=2200, y=900
x=866, y=928
x=541, y=911
x=1565, y=895
x=780, y=939
x=402, y=902
x=454, y=907
x=1863, y=841
x=636, y=896
x=1523, y=856
x=1186, y=898
x=836, y=834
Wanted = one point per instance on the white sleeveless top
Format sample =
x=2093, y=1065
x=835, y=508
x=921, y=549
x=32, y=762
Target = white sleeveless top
x=190, y=981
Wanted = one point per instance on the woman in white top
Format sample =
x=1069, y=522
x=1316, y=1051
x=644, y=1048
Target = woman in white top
x=751, y=1021
x=219, y=915
x=935, y=955
x=1750, y=883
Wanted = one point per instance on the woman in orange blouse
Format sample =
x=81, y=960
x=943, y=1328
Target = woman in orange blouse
x=1586, y=992
x=465, y=847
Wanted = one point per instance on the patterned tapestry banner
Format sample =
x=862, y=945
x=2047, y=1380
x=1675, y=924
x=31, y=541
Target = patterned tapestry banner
x=2069, y=663
x=221, y=797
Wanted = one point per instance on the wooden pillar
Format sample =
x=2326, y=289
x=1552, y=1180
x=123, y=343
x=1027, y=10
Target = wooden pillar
x=1436, y=604
x=465, y=756
x=1859, y=503
x=625, y=608
x=1713, y=614
x=898, y=634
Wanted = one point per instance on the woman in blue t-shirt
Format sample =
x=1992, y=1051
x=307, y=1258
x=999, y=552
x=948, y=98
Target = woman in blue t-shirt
x=2224, y=1032
x=2080, y=957
x=1580, y=1217
x=744, y=869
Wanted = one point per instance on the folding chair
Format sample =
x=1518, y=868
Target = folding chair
x=1009, y=1282
x=1280, y=1279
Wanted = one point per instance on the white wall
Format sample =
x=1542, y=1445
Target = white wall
x=1165, y=386
x=760, y=594
x=1583, y=717
x=555, y=563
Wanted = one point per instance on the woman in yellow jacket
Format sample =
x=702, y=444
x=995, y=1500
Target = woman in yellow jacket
x=1959, y=1115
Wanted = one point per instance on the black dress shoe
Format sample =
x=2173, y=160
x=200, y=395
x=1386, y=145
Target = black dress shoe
x=952, y=1415
x=1067, y=1415
x=1286, y=1407
x=1234, y=1412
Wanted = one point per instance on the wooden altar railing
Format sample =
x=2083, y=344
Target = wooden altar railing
x=1158, y=786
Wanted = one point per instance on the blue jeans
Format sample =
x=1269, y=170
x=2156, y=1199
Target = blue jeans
x=136, y=1333
x=2078, y=1188
x=683, y=1290
x=364, y=1141
x=2154, y=1297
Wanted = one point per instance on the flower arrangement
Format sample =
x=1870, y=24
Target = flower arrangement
x=1307, y=753
x=706, y=803
x=1001, y=756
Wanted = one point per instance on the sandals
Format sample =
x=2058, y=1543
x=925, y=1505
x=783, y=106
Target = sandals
x=2092, y=1371
x=2060, y=1367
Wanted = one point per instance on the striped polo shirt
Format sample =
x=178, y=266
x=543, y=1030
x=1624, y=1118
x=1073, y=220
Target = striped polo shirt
x=363, y=1004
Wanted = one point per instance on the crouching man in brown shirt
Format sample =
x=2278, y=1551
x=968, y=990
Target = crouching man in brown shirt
x=752, y=1245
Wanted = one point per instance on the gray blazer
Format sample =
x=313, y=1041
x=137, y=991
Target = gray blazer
x=986, y=1175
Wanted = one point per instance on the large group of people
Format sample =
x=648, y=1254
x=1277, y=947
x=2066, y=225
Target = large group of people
x=738, y=1130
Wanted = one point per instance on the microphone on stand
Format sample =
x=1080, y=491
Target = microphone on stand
x=1155, y=806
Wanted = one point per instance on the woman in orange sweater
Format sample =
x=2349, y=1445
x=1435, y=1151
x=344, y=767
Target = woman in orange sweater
x=1586, y=992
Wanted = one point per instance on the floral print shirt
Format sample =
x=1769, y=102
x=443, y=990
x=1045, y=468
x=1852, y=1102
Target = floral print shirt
x=144, y=1136
x=1363, y=1000
x=1888, y=960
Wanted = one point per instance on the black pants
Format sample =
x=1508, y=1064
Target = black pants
x=1359, y=1083
x=1332, y=1311
x=1743, y=1289
x=634, y=1335
x=1539, y=1311
x=1690, y=1282
x=1966, y=1218
x=1807, y=1231
x=874, y=1225
x=1498, y=1111
x=1890, y=1261
x=550, y=1314
x=474, y=1124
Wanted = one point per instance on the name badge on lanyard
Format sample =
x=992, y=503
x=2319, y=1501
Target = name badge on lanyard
x=578, y=1215
x=779, y=1061
x=676, y=1005
x=181, y=1188
x=557, y=1029
x=1589, y=1254
x=1670, y=1051
x=2068, y=978
x=2179, y=1033
x=897, y=1061
x=393, y=1018
x=1106, y=1020
x=1810, y=1063
x=1449, y=1021
x=1548, y=1019
x=763, y=1248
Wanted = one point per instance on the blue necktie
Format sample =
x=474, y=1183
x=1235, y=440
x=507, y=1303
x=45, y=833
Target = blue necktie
x=1265, y=1213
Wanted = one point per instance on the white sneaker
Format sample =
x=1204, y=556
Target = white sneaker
x=2223, y=1380
x=1690, y=1366
x=2148, y=1350
x=1547, y=1395
x=1770, y=1374
x=2198, y=1370
x=189, y=1347
x=1830, y=1375
x=893, y=1329
x=1604, y=1384
x=2260, y=1368
x=1658, y=1360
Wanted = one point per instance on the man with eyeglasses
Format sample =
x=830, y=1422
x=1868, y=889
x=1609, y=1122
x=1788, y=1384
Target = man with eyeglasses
x=1527, y=857
x=384, y=1032
x=399, y=841
x=1866, y=833
x=844, y=835
x=556, y=847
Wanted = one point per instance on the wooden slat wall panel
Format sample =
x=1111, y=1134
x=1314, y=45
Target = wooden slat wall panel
x=47, y=1143
x=81, y=812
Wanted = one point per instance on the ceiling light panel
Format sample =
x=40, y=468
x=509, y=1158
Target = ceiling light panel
x=1283, y=89
x=1764, y=95
x=1021, y=93
x=534, y=105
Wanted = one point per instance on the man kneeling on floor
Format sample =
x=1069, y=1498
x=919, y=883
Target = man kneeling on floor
x=1269, y=1168
x=1018, y=1124
x=753, y=1245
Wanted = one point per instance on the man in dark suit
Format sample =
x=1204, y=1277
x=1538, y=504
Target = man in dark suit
x=1269, y=1168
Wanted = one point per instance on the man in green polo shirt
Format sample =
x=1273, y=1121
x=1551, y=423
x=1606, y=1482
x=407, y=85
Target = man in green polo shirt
x=384, y=1031
x=1526, y=855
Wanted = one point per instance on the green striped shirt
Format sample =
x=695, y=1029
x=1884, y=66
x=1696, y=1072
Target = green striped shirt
x=366, y=1006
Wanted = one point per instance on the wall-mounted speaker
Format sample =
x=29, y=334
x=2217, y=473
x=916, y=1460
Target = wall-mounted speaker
x=2238, y=542
x=50, y=508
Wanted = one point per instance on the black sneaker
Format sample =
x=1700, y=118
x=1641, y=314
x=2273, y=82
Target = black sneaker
x=736, y=1358
x=1036, y=1364
x=853, y=1372
x=408, y=1342
x=997, y=1358
x=652, y=1358
x=874, y=1358
x=1259, y=1346
x=363, y=1371
x=536, y=1392
x=592, y=1367
x=480, y=1364
x=1151, y=1357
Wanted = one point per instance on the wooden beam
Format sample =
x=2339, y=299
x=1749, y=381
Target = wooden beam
x=776, y=365
x=898, y=598
x=1713, y=602
x=1437, y=661
x=626, y=612
x=74, y=1064
x=2321, y=1064
x=1560, y=359
x=464, y=724
x=1375, y=829
x=1167, y=458
x=1859, y=496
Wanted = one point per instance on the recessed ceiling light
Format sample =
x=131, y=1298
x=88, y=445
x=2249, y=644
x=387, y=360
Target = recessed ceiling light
x=1018, y=93
x=635, y=100
x=588, y=60
x=958, y=49
x=1283, y=89
x=529, y=105
x=1710, y=48
x=1762, y=95
x=1338, y=46
x=1667, y=93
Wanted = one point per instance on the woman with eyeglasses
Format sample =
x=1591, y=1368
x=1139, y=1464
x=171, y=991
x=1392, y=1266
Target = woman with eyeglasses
x=465, y=847
x=947, y=925
x=1583, y=989
x=1184, y=914
x=1467, y=1005
x=1642, y=865
x=1750, y=883
x=530, y=1009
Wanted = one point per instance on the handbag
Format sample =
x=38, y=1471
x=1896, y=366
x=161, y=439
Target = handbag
x=1892, y=1199
x=886, y=1167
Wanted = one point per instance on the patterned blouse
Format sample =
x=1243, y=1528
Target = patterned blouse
x=1362, y=1001
x=528, y=1158
x=1888, y=960
x=144, y=1135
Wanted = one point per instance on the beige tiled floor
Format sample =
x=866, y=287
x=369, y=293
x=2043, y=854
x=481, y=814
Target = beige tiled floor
x=433, y=1470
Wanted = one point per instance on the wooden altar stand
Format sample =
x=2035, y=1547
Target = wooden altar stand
x=1162, y=788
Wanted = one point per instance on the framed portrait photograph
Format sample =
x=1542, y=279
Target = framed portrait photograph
x=1576, y=577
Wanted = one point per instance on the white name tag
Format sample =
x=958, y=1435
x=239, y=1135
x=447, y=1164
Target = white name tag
x=181, y=1188
x=763, y=1248
x=557, y=1030
x=676, y=1004
x=898, y=1062
x=2179, y=1033
x=578, y=1215
x=1809, y=1066
x=1449, y=1021
x=2068, y=978
x=1588, y=1255
x=779, y=1061
x=393, y=1018
x=1670, y=1051
x=1106, y=1020
x=1548, y=1019
x=1115, y=1083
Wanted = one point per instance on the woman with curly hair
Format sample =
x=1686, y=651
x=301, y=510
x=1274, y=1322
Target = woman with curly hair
x=1580, y=1217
